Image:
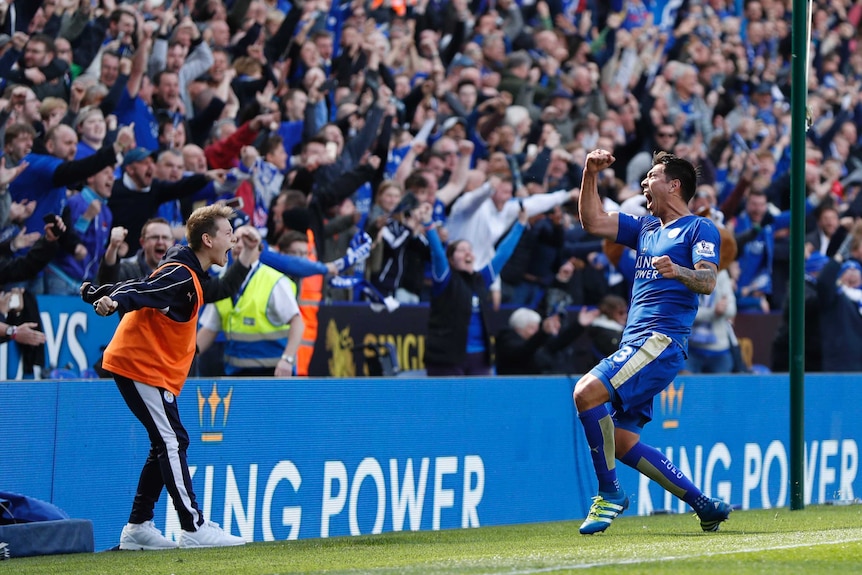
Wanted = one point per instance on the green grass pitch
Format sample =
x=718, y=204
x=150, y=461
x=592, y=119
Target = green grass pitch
x=816, y=540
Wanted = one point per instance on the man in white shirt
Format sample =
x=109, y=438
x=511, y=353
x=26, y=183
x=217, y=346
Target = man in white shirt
x=483, y=215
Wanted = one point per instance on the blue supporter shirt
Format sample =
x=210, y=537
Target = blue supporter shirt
x=94, y=234
x=35, y=183
x=660, y=304
x=84, y=150
x=291, y=135
x=135, y=110
x=394, y=159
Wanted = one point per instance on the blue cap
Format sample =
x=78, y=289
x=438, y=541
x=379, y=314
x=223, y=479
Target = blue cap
x=136, y=155
x=763, y=88
x=239, y=219
x=407, y=204
x=850, y=265
x=461, y=61
x=562, y=93
x=815, y=262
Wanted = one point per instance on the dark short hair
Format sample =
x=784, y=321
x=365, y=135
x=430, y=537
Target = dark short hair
x=610, y=304
x=676, y=168
x=450, y=249
x=270, y=144
x=164, y=119
x=321, y=34
x=118, y=13
x=289, y=237
x=16, y=130
x=416, y=180
x=315, y=140
x=153, y=221
x=157, y=79
x=45, y=40
x=463, y=83
x=294, y=199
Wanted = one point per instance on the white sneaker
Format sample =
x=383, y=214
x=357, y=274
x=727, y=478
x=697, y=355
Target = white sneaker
x=144, y=537
x=209, y=535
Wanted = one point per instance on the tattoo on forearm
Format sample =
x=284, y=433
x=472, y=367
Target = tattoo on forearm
x=698, y=281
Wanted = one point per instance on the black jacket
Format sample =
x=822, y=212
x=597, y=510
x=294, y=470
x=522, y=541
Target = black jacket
x=449, y=319
x=542, y=353
x=131, y=267
x=516, y=355
x=17, y=269
x=132, y=209
x=840, y=323
x=326, y=196
x=168, y=288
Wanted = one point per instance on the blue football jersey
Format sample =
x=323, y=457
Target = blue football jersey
x=658, y=304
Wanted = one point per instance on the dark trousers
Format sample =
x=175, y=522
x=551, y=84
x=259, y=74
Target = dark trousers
x=166, y=464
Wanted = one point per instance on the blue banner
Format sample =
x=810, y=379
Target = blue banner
x=731, y=435
x=76, y=337
x=313, y=458
x=287, y=459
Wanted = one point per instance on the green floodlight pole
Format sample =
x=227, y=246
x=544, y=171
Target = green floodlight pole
x=798, y=127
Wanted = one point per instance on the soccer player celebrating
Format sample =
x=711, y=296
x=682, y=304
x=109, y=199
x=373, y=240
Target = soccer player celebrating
x=677, y=259
x=149, y=357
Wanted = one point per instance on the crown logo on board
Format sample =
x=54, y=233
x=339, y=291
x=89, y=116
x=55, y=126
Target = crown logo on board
x=213, y=411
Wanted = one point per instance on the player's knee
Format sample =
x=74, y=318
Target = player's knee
x=589, y=392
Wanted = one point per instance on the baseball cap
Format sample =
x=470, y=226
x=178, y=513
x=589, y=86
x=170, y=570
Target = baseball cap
x=407, y=204
x=461, y=61
x=136, y=155
x=239, y=219
x=451, y=122
x=815, y=262
x=763, y=88
x=850, y=265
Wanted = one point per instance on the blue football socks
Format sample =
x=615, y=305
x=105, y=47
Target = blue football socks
x=599, y=429
x=650, y=461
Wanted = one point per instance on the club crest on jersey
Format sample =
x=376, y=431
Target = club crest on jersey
x=169, y=397
x=705, y=249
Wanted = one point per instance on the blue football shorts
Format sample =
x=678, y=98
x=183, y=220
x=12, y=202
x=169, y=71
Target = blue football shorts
x=635, y=374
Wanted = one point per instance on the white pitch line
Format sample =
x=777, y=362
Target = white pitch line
x=674, y=557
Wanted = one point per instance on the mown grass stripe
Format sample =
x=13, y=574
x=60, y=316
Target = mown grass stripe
x=641, y=561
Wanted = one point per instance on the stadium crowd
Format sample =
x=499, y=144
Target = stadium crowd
x=331, y=120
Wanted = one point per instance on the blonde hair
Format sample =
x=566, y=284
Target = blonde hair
x=85, y=113
x=204, y=220
x=386, y=184
x=50, y=104
x=247, y=66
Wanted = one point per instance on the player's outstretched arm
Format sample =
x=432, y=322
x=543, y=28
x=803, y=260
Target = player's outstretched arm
x=594, y=218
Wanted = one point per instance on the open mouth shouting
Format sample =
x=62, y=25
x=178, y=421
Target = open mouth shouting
x=648, y=197
x=160, y=251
